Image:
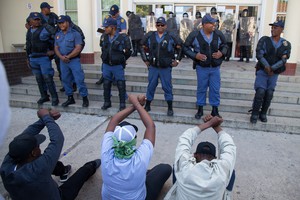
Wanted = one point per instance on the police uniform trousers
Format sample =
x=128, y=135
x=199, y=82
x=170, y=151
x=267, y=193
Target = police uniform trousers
x=264, y=81
x=208, y=77
x=165, y=76
x=70, y=70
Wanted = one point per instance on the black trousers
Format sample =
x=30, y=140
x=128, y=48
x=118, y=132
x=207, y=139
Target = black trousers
x=155, y=180
x=70, y=189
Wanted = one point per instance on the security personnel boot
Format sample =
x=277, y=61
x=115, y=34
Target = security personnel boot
x=263, y=117
x=253, y=118
x=85, y=102
x=199, y=114
x=147, y=106
x=100, y=81
x=215, y=111
x=69, y=101
x=43, y=100
x=106, y=105
x=170, y=108
x=55, y=102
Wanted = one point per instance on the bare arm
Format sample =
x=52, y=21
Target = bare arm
x=145, y=117
x=119, y=117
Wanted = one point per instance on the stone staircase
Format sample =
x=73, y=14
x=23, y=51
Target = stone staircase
x=236, y=96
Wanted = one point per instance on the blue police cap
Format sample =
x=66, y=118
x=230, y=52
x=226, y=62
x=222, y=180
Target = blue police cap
x=208, y=19
x=45, y=5
x=114, y=9
x=109, y=22
x=62, y=18
x=278, y=23
x=161, y=20
x=35, y=15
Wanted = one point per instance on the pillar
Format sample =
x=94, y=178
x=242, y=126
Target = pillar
x=291, y=33
x=85, y=19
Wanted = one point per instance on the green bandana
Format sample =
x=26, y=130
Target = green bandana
x=124, y=149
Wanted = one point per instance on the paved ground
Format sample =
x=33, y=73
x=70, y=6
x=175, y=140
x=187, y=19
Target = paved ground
x=267, y=165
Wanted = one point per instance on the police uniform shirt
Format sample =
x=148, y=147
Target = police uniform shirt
x=121, y=23
x=67, y=42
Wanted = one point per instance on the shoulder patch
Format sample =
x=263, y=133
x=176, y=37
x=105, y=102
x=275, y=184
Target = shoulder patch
x=122, y=20
x=285, y=43
x=107, y=16
x=57, y=37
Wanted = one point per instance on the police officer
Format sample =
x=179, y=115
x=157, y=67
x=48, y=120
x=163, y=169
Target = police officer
x=68, y=45
x=272, y=54
x=116, y=49
x=162, y=46
x=114, y=13
x=135, y=31
x=244, y=36
x=48, y=16
x=172, y=23
x=207, y=48
x=39, y=48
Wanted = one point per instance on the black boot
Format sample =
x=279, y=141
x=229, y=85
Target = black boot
x=247, y=53
x=241, y=54
x=100, y=81
x=215, y=111
x=147, y=106
x=106, y=94
x=265, y=106
x=257, y=102
x=52, y=89
x=69, y=101
x=62, y=89
x=42, y=85
x=122, y=94
x=85, y=102
x=199, y=114
x=170, y=108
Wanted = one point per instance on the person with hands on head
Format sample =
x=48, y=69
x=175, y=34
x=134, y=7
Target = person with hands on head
x=124, y=164
x=161, y=47
x=272, y=54
x=202, y=175
x=26, y=172
x=207, y=48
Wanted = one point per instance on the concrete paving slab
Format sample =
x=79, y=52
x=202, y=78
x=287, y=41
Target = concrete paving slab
x=267, y=165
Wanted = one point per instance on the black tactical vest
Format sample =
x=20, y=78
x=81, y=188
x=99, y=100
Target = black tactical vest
x=208, y=50
x=159, y=55
x=37, y=45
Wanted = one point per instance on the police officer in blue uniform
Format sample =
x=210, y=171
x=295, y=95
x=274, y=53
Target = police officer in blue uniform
x=39, y=48
x=116, y=49
x=68, y=45
x=207, y=48
x=162, y=46
x=272, y=54
x=114, y=13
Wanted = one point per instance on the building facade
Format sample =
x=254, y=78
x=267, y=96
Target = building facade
x=89, y=14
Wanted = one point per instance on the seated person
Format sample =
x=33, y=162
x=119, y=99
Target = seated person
x=124, y=165
x=202, y=175
x=26, y=173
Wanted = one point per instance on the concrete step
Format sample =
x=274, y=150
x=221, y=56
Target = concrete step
x=232, y=120
x=186, y=70
x=180, y=101
x=188, y=90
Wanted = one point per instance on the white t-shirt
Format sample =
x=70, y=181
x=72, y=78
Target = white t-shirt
x=124, y=178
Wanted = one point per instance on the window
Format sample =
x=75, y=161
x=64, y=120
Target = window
x=104, y=8
x=71, y=10
x=281, y=9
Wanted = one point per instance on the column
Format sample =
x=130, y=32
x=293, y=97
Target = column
x=85, y=23
x=291, y=33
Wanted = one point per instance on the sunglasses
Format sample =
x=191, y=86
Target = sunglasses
x=160, y=25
